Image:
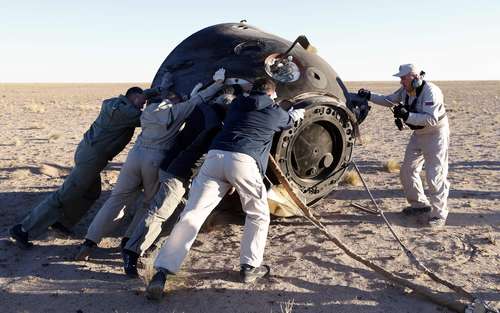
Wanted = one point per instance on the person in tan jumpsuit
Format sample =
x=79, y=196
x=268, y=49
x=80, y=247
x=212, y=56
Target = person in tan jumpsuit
x=423, y=112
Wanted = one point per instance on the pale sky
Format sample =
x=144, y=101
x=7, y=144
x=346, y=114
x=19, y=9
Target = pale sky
x=126, y=41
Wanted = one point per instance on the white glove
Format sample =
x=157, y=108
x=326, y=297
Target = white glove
x=296, y=114
x=224, y=99
x=274, y=95
x=195, y=90
x=219, y=75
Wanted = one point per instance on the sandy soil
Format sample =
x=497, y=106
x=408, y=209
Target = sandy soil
x=41, y=125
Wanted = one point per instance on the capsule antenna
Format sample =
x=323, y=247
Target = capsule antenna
x=304, y=42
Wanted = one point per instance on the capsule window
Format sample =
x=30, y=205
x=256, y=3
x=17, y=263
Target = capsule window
x=282, y=68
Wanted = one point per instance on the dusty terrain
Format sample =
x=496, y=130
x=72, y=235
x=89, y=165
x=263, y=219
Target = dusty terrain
x=41, y=125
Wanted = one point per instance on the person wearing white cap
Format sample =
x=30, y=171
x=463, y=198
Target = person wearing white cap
x=423, y=111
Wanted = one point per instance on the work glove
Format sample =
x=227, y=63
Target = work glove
x=365, y=93
x=401, y=112
x=274, y=95
x=224, y=100
x=195, y=90
x=296, y=114
x=219, y=75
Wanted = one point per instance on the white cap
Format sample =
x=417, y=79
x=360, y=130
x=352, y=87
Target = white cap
x=406, y=69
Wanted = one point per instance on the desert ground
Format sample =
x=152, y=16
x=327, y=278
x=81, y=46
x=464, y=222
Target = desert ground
x=41, y=124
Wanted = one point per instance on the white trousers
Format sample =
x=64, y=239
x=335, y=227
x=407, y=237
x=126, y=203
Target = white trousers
x=220, y=171
x=432, y=149
x=140, y=171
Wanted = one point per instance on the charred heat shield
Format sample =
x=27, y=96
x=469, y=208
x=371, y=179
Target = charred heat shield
x=314, y=154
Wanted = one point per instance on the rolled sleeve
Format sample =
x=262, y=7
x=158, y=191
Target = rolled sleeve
x=207, y=93
x=167, y=113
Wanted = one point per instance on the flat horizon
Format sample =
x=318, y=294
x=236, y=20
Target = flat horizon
x=138, y=82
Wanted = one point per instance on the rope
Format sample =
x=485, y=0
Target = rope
x=431, y=295
x=408, y=252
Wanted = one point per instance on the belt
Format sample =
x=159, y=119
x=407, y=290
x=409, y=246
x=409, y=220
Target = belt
x=415, y=127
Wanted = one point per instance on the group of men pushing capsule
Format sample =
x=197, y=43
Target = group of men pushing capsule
x=217, y=139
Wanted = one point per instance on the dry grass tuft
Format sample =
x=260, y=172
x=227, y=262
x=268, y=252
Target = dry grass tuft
x=352, y=178
x=20, y=174
x=17, y=142
x=37, y=126
x=490, y=236
x=392, y=166
x=54, y=137
x=34, y=107
x=48, y=170
x=364, y=140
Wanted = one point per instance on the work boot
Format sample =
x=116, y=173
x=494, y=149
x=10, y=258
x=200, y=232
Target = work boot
x=86, y=249
x=130, y=263
x=20, y=237
x=416, y=211
x=249, y=273
x=123, y=243
x=154, y=290
x=436, y=222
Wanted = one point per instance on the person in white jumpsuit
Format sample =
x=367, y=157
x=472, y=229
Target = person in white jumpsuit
x=160, y=123
x=423, y=112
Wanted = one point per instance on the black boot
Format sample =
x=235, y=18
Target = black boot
x=123, y=243
x=416, y=211
x=86, y=249
x=154, y=290
x=249, y=273
x=130, y=263
x=20, y=236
